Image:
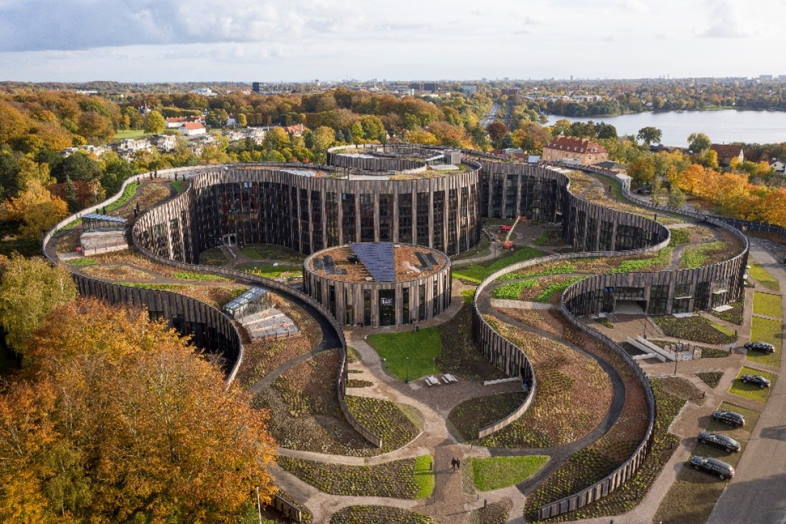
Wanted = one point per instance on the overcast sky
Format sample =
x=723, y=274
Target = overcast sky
x=295, y=40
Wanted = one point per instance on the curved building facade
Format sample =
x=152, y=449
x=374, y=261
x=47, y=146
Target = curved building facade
x=379, y=283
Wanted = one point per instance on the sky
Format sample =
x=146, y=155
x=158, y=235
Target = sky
x=330, y=40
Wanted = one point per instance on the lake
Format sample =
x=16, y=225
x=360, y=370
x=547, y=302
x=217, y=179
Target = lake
x=728, y=125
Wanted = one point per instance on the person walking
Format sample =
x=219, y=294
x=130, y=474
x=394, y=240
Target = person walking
x=453, y=464
x=458, y=463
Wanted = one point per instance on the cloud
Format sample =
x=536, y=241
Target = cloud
x=726, y=21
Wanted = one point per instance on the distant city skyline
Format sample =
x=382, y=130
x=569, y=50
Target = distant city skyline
x=333, y=40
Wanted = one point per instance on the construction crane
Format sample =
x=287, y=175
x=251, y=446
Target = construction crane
x=507, y=243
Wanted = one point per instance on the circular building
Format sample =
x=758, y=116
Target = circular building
x=379, y=283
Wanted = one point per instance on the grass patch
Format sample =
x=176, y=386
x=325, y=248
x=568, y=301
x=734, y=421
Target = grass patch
x=697, y=329
x=559, y=269
x=500, y=472
x=763, y=277
x=160, y=287
x=512, y=290
x=751, y=391
x=405, y=479
x=128, y=194
x=384, y=419
x=408, y=355
x=378, y=515
x=81, y=262
x=696, y=256
x=767, y=304
x=179, y=186
x=694, y=494
x=476, y=273
x=271, y=271
x=678, y=237
x=185, y=275
x=212, y=257
x=122, y=134
x=641, y=264
x=711, y=378
x=424, y=476
x=766, y=330
x=556, y=287
x=549, y=237
x=271, y=252
x=468, y=295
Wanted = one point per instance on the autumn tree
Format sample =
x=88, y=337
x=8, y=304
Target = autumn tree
x=642, y=170
x=36, y=209
x=30, y=289
x=650, y=135
x=154, y=122
x=496, y=131
x=122, y=421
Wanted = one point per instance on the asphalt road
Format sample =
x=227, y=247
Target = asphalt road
x=757, y=494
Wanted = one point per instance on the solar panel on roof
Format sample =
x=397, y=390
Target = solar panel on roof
x=378, y=259
x=431, y=260
x=423, y=261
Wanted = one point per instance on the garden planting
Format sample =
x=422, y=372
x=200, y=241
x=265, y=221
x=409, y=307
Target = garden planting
x=696, y=328
x=378, y=515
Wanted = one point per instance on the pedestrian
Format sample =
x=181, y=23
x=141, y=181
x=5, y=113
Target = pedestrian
x=453, y=464
x=458, y=463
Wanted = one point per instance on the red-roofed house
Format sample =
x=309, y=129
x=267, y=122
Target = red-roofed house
x=574, y=150
x=193, y=129
x=296, y=130
x=727, y=152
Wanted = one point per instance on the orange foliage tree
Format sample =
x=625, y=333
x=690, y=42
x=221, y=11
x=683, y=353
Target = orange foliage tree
x=116, y=418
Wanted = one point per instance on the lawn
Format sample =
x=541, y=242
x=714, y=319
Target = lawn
x=123, y=134
x=767, y=304
x=500, y=472
x=212, y=257
x=407, y=478
x=696, y=256
x=476, y=273
x=128, y=194
x=271, y=252
x=409, y=355
x=763, y=277
x=766, y=330
x=85, y=261
x=271, y=271
x=468, y=295
x=179, y=185
x=751, y=391
x=694, y=494
x=697, y=329
x=679, y=236
x=187, y=275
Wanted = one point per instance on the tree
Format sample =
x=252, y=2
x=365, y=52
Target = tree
x=29, y=290
x=242, y=121
x=676, y=197
x=125, y=422
x=78, y=166
x=37, y=210
x=95, y=127
x=154, y=122
x=650, y=135
x=698, y=142
x=12, y=122
x=496, y=131
x=642, y=170
x=604, y=130
x=322, y=138
x=421, y=136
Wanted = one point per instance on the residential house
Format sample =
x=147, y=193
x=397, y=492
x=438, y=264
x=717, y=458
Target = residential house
x=574, y=150
x=296, y=130
x=728, y=152
x=192, y=129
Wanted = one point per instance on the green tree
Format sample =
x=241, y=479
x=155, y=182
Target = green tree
x=154, y=122
x=698, y=143
x=30, y=289
x=650, y=135
x=242, y=120
x=676, y=197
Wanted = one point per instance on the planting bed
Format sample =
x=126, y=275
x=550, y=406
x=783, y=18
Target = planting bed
x=734, y=315
x=494, y=513
x=697, y=328
x=384, y=419
x=711, y=378
x=468, y=417
x=572, y=396
x=378, y=515
x=405, y=479
x=630, y=494
x=460, y=354
x=475, y=273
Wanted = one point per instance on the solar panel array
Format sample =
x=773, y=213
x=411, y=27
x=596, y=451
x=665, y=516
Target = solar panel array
x=426, y=260
x=378, y=259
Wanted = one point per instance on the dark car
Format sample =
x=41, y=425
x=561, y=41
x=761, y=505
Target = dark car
x=719, y=440
x=755, y=380
x=729, y=417
x=712, y=466
x=764, y=347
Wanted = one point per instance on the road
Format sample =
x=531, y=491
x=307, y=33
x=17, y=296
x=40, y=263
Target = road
x=757, y=494
x=490, y=116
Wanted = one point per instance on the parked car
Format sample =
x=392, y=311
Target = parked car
x=755, y=380
x=764, y=347
x=719, y=440
x=712, y=466
x=729, y=417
